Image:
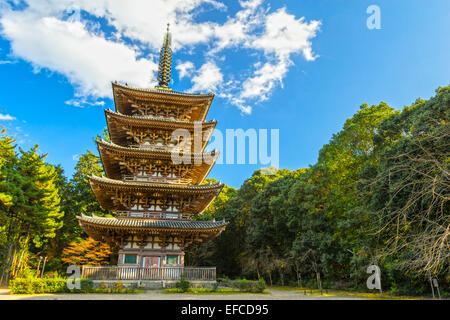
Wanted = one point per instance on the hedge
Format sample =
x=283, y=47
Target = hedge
x=46, y=285
x=244, y=285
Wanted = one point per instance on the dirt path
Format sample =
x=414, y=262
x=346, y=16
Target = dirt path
x=158, y=295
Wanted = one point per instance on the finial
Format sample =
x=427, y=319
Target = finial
x=165, y=61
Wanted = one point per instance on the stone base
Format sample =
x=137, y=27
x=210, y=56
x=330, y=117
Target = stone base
x=150, y=284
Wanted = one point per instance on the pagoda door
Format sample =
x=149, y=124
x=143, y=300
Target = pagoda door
x=151, y=262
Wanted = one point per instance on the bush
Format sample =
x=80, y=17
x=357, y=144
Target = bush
x=183, y=284
x=31, y=285
x=86, y=284
x=245, y=285
x=37, y=285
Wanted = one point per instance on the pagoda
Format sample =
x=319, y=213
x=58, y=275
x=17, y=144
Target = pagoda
x=153, y=198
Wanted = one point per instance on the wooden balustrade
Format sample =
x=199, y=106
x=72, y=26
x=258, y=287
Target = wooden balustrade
x=163, y=215
x=156, y=179
x=141, y=273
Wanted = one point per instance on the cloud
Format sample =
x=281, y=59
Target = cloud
x=88, y=60
x=82, y=102
x=208, y=78
x=6, y=117
x=94, y=42
x=283, y=36
x=264, y=80
x=184, y=69
x=7, y=62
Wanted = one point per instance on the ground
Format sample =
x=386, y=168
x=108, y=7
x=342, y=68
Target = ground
x=273, y=294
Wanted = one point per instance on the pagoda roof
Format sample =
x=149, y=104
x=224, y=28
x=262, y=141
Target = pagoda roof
x=105, y=192
x=124, y=94
x=216, y=187
x=151, y=223
x=113, y=169
x=156, y=122
x=118, y=134
x=116, y=230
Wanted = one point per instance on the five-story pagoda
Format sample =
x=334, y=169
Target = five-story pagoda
x=152, y=196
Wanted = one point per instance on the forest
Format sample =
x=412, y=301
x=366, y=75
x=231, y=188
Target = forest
x=378, y=194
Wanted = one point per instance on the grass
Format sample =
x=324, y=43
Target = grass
x=205, y=291
x=94, y=291
x=341, y=293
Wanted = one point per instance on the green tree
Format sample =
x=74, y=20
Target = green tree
x=83, y=198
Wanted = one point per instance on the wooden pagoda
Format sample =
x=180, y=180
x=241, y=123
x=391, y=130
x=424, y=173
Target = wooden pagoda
x=152, y=197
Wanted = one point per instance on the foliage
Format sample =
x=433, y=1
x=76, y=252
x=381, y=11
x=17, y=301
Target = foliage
x=377, y=194
x=183, y=284
x=30, y=210
x=245, y=285
x=38, y=285
x=87, y=252
x=409, y=187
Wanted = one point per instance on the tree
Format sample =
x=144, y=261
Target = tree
x=33, y=213
x=409, y=187
x=83, y=197
x=87, y=252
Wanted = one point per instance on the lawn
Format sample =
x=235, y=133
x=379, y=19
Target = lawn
x=205, y=291
x=342, y=293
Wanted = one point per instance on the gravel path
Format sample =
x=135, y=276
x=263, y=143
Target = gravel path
x=158, y=295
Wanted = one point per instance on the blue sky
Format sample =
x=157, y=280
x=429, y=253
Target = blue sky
x=268, y=68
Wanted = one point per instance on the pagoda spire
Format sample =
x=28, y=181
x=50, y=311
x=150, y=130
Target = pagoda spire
x=165, y=61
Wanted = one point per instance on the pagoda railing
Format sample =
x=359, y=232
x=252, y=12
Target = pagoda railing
x=157, y=179
x=142, y=273
x=151, y=214
x=153, y=147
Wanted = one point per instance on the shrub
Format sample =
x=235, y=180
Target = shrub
x=37, y=285
x=86, y=284
x=183, y=284
x=247, y=285
x=31, y=285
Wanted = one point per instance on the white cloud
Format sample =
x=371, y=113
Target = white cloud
x=184, y=69
x=88, y=60
x=61, y=36
x=208, y=78
x=283, y=36
x=264, y=80
x=6, y=117
x=82, y=102
x=7, y=62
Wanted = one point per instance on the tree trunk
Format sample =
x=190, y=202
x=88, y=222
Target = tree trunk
x=319, y=282
x=19, y=263
x=7, y=266
x=299, y=279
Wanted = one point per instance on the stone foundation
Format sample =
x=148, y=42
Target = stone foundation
x=150, y=284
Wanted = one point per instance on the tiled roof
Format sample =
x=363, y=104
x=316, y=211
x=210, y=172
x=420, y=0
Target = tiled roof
x=157, y=120
x=140, y=184
x=151, y=223
x=167, y=92
x=164, y=153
